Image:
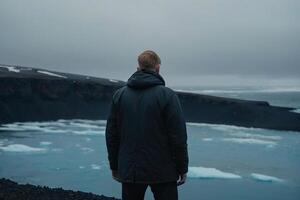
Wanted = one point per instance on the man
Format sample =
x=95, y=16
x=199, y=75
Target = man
x=146, y=134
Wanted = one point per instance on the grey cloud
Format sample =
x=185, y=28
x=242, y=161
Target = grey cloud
x=104, y=37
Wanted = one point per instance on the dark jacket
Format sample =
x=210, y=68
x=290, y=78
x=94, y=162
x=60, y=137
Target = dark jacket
x=146, y=132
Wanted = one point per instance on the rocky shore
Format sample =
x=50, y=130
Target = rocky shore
x=33, y=94
x=10, y=190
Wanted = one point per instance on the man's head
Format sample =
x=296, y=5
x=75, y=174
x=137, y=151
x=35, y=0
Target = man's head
x=149, y=60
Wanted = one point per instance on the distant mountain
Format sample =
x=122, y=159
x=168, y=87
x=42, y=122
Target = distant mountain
x=33, y=94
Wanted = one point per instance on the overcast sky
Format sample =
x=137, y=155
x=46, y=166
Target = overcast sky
x=199, y=41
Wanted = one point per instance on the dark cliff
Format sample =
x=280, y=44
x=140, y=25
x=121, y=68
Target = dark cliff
x=32, y=94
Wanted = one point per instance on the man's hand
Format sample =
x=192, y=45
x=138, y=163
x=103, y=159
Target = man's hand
x=182, y=179
x=115, y=175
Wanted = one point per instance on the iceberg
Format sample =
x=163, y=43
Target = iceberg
x=210, y=173
x=265, y=178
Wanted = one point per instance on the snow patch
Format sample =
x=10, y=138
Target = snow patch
x=210, y=173
x=297, y=110
x=11, y=68
x=50, y=74
x=112, y=80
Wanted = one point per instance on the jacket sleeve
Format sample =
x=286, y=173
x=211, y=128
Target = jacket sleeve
x=112, y=136
x=176, y=130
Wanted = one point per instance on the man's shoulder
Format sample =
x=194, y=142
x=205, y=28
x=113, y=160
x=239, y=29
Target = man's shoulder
x=120, y=89
x=165, y=93
x=117, y=93
x=166, y=89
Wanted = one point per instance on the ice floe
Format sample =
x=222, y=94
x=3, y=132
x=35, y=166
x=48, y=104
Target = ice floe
x=75, y=126
x=265, y=178
x=21, y=148
x=250, y=141
x=256, y=136
x=95, y=166
x=2, y=141
x=207, y=139
x=222, y=127
x=45, y=143
x=89, y=132
x=213, y=173
x=242, y=135
x=87, y=149
x=56, y=149
x=50, y=74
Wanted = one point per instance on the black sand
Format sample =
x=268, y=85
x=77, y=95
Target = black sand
x=10, y=190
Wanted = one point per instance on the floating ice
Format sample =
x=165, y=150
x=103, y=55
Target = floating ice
x=222, y=127
x=74, y=126
x=257, y=136
x=21, y=148
x=250, y=141
x=243, y=135
x=207, y=139
x=56, y=149
x=206, y=173
x=45, y=143
x=87, y=149
x=2, y=141
x=83, y=125
x=95, y=166
x=51, y=74
x=266, y=178
x=89, y=132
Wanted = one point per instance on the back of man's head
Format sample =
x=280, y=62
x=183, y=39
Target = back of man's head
x=148, y=60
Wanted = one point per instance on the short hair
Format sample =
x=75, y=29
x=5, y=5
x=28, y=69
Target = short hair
x=148, y=59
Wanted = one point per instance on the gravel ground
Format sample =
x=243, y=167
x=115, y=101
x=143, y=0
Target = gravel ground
x=10, y=190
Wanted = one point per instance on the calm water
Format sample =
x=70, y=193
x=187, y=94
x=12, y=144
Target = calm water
x=226, y=162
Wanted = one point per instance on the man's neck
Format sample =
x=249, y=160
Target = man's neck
x=146, y=69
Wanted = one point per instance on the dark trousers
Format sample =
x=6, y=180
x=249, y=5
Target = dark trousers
x=161, y=191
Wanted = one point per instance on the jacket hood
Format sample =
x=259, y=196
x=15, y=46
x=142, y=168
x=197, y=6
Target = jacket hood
x=145, y=78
